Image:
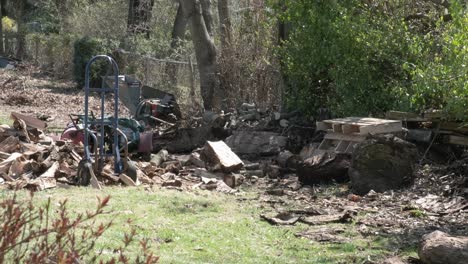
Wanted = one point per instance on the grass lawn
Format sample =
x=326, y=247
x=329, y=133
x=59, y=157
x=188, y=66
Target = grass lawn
x=207, y=227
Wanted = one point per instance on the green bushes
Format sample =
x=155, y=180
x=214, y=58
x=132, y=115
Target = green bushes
x=366, y=58
x=84, y=49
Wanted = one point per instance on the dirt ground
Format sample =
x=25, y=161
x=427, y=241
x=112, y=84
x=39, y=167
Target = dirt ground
x=30, y=92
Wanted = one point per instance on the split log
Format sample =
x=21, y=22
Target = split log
x=324, y=167
x=6, y=164
x=41, y=184
x=219, y=156
x=127, y=180
x=10, y=144
x=441, y=248
x=382, y=163
x=50, y=173
x=196, y=161
x=256, y=143
x=20, y=125
x=30, y=121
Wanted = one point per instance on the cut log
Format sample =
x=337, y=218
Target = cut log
x=159, y=158
x=278, y=116
x=186, y=139
x=219, y=156
x=382, y=163
x=284, y=123
x=441, y=248
x=10, y=144
x=324, y=167
x=256, y=143
x=233, y=180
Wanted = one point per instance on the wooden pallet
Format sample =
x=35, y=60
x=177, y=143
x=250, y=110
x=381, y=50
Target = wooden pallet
x=345, y=133
x=360, y=126
x=340, y=143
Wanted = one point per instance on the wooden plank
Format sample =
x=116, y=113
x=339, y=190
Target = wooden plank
x=337, y=128
x=434, y=115
x=457, y=140
x=381, y=128
x=406, y=116
x=30, y=121
x=342, y=146
x=351, y=147
x=322, y=126
x=454, y=126
x=345, y=137
x=350, y=129
x=360, y=121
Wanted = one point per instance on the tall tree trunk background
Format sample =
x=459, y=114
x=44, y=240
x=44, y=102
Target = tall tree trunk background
x=139, y=16
x=21, y=36
x=2, y=50
x=205, y=49
x=177, y=36
x=227, y=55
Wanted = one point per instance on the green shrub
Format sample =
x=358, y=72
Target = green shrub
x=84, y=49
x=364, y=58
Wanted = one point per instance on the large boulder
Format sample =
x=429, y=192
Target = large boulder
x=382, y=163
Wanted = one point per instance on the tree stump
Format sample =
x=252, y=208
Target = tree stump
x=324, y=167
x=382, y=163
x=440, y=248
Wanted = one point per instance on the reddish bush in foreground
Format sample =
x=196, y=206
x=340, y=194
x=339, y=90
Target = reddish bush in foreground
x=34, y=234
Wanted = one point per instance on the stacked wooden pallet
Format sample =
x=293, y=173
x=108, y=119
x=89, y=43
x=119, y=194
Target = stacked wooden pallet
x=344, y=133
x=450, y=132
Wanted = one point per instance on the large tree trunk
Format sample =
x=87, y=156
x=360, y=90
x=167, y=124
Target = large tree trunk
x=139, y=16
x=2, y=50
x=225, y=24
x=178, y=33
x=21, y=36
x=226, y=60
x=205, y=48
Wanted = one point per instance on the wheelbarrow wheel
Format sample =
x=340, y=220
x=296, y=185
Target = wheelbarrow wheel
x=83, y=176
